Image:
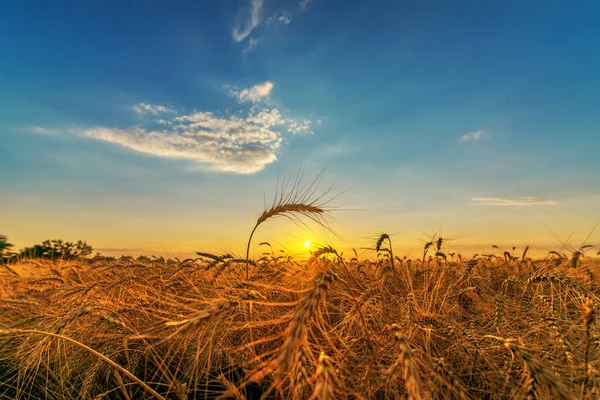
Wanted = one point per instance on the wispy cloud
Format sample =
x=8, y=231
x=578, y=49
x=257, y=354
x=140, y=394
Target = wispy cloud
x=144, y=108
x=471, y=136
x=245, y=26
x=40, y=131
x=242, y=143
x=253, y=18
x=254, y=94
x=304, y=3
x=516, y=201
x=283, y=18
x=252, y=43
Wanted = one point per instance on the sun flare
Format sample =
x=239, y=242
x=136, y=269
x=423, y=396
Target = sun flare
x=307, y=244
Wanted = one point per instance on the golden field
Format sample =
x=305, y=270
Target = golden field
x=330, y=327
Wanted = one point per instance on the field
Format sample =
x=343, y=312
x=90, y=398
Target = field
x=330, y=327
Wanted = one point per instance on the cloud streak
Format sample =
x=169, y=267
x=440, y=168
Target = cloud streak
x=144, y=108
x=305, y=3
x=283, y=18
x=254, y=19
x=472, y=136
x=517, y=201
x=245, y=27
x=242, y=143
x=40, y=130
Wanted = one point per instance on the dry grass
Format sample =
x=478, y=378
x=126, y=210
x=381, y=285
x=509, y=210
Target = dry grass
x=324, y=328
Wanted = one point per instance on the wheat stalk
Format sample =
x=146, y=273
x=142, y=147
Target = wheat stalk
x=535, y=372
x=90, y=350
x=325, y=376
x=301, y=378
x=379, y=243
x=299, y=201
x=406, y=363
x=296, y=332
x=588, y=317
x=446, y=376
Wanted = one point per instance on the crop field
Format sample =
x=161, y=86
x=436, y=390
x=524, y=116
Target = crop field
x=299, y=200
x=329, y=327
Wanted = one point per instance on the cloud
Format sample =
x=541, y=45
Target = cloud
x=252, y=43
x=305, y=3
x=143, y=108
x=297, y=126
x=40, y=131
x=255, y=93
x=471, y=136
x=242, y=143
x=283, y=18
x=253, y=19
x=517, y=201
x=245, y=27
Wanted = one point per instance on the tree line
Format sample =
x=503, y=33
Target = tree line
x=52, y=249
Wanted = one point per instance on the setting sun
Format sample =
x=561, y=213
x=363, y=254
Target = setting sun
x=307, y=244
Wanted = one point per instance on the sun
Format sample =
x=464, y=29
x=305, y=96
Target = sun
x=307, y=244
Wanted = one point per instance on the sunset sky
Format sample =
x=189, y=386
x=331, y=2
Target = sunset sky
x=160, y=127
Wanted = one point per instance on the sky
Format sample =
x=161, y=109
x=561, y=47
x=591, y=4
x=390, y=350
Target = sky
x=163, y=127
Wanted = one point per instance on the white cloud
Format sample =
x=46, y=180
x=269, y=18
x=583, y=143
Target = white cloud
x=245, y=150
x=267, y=118
x=143, y=108
x=245, y=27
x=304, y=3
x=296, y=126
x=255, y=93
x=517, y=201
x=252, y=43
x=284, y=18
x=40, y=131
x=242, y=143
x=471, y=136
x=254, y=17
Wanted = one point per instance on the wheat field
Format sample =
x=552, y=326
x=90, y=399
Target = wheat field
x=330, y=327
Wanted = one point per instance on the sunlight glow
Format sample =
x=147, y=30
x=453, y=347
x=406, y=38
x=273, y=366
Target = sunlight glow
x=307, y=244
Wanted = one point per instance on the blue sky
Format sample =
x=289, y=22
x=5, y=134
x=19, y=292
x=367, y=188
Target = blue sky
x=159, y=126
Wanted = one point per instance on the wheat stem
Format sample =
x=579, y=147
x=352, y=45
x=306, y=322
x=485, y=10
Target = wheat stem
x=94, y=352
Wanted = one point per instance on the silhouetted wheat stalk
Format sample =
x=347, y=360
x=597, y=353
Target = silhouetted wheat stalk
x=379, y=244
x=295, y=202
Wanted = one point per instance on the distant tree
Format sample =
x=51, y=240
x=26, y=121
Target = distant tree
x=56, y=249
x=4, y=247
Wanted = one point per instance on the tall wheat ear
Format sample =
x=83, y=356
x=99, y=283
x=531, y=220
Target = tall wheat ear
x=294, y=200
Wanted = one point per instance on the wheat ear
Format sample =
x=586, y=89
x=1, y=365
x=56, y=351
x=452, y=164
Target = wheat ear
x=325, y=377
x=298, y=201
x=296, y=333
x=405, y=363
